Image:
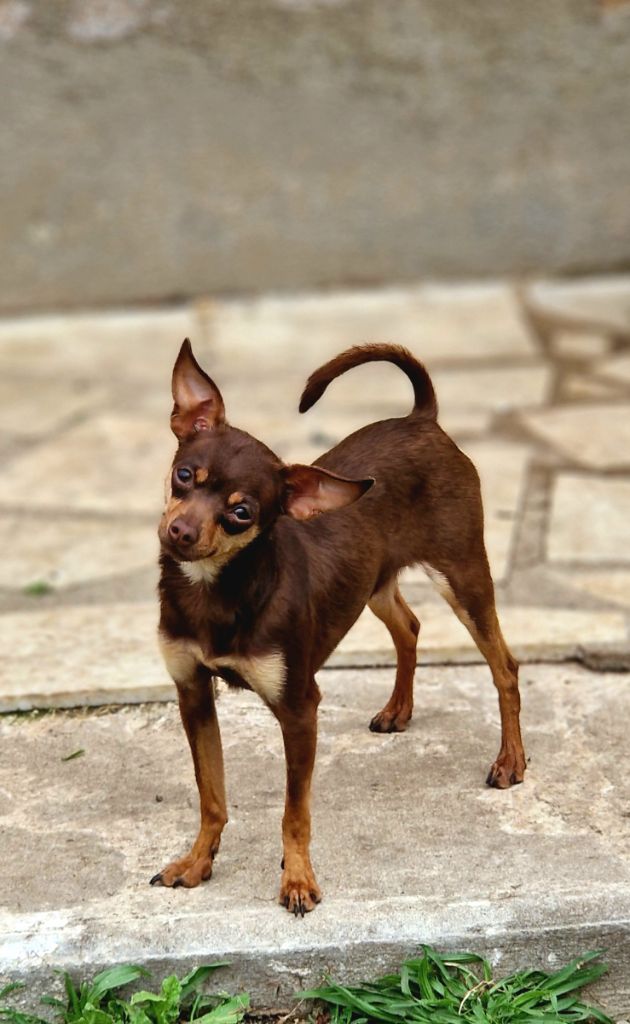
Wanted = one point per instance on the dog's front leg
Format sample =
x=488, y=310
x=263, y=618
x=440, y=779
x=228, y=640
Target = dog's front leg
x=199, y=717
x=299, y=891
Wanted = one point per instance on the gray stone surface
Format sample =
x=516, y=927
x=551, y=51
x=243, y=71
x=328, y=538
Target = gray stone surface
x=409, y=845
x=70, y=550
x=611, y=585
x=590, y=520
x=453, y=863
x=618, y=368
x=83, y=489
x=153, y=149
x=590, y=303
x=580, y=346
x=534, y=633
x=109, y=463
x=77, y=655
x=118, y=346
x=483, y=323
x=86, y=655
x=596, y=436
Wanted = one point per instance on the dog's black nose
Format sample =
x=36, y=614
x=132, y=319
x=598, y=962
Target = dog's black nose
x=182, y=533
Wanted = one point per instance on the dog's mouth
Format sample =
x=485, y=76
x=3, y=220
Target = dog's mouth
x=187, y=556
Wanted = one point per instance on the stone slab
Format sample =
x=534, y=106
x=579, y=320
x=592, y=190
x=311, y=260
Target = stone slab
x=408, y=844
x=499, y=389
x=33, y=408
x=582, y=346
x=477, y=321
x=533, y=634
x=602, y=298
x=617, y=368
x=110, y=463
x=114, y=345
x=69, y=550
x=590, y=520
x=69, y=655
x=611, y=586
x=593, y=435
x=584, y=386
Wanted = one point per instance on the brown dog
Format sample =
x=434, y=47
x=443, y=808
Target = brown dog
x=258, y=588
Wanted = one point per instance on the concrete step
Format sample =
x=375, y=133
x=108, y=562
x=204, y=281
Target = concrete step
x=408, y=844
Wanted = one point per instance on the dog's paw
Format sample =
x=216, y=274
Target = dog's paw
x=187, y=872
x=299, y=896
x=390, y=721
x=506, y=772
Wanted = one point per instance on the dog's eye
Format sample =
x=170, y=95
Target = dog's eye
x=241, y=513
x=183, y=475
x=237, y=519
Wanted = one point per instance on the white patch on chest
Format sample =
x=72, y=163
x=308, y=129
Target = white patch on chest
x=205, y=570
x=265, y=674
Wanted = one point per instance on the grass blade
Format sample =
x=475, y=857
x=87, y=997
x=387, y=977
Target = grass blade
x=191, y=982
x=440, y=989
x=229, y=1011
x=114, y=978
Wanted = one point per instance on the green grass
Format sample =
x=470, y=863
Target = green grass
x=432, y=989
x=100, y=1002
x=38, y=588
x=459, y=989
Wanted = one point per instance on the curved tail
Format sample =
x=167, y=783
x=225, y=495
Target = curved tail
x=425, y=400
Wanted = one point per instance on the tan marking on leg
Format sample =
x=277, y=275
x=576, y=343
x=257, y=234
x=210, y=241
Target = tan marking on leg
x=181, y=658
x=510, y=764
x=299, y=891
x=439, y=581
x=198, y=712
x=265, y=674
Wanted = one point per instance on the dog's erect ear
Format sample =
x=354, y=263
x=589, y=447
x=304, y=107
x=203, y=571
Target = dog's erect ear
x=198, y=403
x=310, y=490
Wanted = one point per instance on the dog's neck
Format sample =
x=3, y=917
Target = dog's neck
x=224, y=597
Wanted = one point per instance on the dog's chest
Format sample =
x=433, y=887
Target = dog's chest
x=263, y=673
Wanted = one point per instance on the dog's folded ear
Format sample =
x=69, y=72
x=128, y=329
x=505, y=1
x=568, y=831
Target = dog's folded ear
x=310, y=490
x=198, y=403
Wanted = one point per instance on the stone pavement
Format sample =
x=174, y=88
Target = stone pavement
x=408, y=844
x=533, y=382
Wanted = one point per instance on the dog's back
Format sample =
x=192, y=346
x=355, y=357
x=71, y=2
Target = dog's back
x=425, y=505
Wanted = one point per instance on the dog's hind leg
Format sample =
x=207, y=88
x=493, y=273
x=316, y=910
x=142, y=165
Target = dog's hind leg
x=389, y=606
x=468, y=588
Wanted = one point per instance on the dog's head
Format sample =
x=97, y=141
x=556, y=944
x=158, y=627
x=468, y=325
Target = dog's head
x=225, y=486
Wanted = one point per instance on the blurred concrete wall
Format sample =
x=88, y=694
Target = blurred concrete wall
x=153, y=149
